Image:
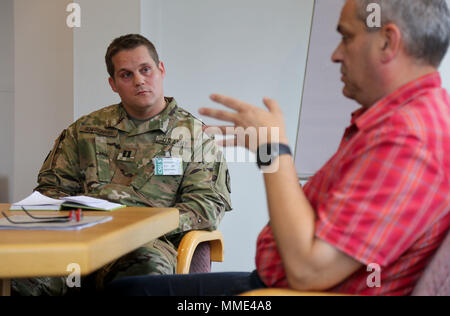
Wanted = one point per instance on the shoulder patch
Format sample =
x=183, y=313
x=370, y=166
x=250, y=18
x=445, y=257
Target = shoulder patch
x=228, y=180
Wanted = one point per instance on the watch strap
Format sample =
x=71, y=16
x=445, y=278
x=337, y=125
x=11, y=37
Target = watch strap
x=267, y=153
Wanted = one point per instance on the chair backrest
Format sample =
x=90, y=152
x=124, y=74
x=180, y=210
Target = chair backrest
x=436, y=278
x=201, y=260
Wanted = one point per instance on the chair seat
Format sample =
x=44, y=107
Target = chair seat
x=436, y=278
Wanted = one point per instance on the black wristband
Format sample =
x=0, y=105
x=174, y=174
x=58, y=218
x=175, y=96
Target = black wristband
x=267, y=153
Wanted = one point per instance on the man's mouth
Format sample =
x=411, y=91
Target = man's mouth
x=143, y=92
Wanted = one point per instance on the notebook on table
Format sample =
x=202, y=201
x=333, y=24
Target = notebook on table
x=40, y=202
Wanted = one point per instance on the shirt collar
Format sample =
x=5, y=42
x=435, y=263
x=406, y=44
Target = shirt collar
x=367, y=117
x=159, y=122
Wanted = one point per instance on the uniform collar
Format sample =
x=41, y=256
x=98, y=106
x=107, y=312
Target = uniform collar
x=159, y=122
x=368, y=117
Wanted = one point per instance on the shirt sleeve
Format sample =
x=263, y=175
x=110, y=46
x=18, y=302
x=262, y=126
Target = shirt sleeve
x=60, y=173
x=204, y=194
x=384, y=197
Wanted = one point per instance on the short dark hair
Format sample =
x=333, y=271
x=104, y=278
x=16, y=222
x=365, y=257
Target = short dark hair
x=128, y=42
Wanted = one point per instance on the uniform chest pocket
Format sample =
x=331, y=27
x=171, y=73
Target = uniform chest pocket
x=97, y=152
x=102, y=152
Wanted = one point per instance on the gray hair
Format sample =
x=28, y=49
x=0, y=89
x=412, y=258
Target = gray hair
x=425, y=25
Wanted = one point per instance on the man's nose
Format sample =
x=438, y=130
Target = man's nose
x=138, y=79
x=337, y=54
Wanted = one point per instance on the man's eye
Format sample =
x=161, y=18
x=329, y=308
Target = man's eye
x=345, y=38
x=125, y=75
x=146, y=69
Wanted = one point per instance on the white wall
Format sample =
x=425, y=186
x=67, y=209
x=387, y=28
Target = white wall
x=445, y=67
x=325, y=112
x=101, y=22
x=247, y=49
x=43, y=85
x=6, y=99
x=445, y=72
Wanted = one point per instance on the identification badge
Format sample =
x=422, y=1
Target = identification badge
x=168, y=166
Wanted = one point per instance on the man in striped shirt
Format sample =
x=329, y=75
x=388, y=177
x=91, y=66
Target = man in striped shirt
x=383, y=200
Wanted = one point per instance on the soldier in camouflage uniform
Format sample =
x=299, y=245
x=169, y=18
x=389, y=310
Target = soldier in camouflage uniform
x=110, y=153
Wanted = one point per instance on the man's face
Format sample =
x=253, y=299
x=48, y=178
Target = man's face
x=357, y=55
x=139, y=82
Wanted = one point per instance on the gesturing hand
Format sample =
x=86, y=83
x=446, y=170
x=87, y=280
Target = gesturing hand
x=253, y=126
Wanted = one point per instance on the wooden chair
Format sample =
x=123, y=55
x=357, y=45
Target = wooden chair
x=197, y=250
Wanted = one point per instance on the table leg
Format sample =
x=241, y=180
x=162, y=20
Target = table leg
x=5, y=287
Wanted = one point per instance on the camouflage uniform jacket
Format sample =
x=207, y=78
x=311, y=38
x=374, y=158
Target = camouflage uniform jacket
x=105, y=155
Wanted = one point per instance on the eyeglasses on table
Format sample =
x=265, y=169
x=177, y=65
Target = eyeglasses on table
x=74, y=215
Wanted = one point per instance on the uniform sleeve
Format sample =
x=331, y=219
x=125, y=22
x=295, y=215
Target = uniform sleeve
x=204, y=195
x=60, y=173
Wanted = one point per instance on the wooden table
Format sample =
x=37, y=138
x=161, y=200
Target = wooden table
x=25, y=254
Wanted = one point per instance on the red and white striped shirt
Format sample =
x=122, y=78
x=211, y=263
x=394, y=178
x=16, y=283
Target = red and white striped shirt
x=384, y=197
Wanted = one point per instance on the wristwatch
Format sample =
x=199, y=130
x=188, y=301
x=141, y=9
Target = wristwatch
x=267, y=153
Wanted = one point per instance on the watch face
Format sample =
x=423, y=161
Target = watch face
x=265, y=154
x=268, y=152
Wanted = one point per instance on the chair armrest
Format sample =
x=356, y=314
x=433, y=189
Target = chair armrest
x=190, y=242
x=284, y=292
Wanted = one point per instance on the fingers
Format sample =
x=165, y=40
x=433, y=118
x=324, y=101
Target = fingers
x=229, y=102
x=272, y=105
x=239, y=106
x=238, y=140
x=232, y=142
x=219, y=114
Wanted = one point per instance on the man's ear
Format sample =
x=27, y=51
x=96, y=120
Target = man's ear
x=112, y=83
x=162, y=69
x=391, y=42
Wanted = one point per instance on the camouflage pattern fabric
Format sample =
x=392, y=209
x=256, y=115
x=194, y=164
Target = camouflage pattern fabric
x=105, y=155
